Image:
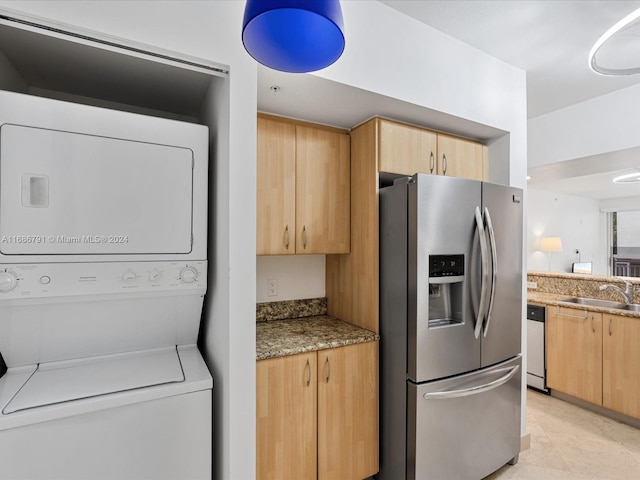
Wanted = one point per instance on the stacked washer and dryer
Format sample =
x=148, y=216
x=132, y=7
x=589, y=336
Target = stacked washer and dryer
x=103, y=272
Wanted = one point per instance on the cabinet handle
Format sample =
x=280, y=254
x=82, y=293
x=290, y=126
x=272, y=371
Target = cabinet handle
x=308, y=369
x=304, y=237
x=327, y=368
x=593, y=327
x=444, y=164
x=609, y=326
x=286, y=237
x=560, y=314
x=432, y=162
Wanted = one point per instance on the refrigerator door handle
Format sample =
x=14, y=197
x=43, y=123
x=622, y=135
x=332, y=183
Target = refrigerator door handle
x=485, y=273
x=494, y=267
x=474, y=390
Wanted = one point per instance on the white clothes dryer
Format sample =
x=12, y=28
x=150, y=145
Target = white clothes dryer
x=103, y=273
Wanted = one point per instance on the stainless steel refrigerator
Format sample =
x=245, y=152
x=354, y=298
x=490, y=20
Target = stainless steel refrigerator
x=450, y=328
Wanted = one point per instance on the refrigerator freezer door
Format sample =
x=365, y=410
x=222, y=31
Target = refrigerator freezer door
x=441, y=221
x=503, y=332
x=464, y=427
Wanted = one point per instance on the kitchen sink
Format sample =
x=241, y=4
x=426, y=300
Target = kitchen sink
x=634, y=307
x=594, y=302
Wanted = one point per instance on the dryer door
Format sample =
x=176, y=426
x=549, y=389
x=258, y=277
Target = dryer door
x=71, y=193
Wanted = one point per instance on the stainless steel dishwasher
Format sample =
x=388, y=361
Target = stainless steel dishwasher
x=536, y=358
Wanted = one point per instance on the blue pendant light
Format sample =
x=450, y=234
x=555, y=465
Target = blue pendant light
x=293, y=35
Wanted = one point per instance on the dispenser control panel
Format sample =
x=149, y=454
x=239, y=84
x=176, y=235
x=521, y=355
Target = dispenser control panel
x=446, y=266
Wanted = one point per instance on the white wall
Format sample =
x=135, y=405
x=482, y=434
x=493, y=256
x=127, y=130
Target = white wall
x=620, y=204
x=629, y=229
x=298, y=276
x=576, y=220
x=603, y=124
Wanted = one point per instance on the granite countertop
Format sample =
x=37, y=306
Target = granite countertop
x=555, y=299
x=278, y=338
x=581, y=276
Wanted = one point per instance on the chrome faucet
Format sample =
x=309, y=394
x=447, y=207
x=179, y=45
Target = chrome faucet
x=627, y=293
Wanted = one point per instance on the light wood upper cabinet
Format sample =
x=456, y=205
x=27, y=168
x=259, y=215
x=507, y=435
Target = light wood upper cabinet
x=406, y=149
x=303, y=188
x=621, y=364
x=574, y=353
x=348, y=412
x=286, y=411
x=323, y=191
x=378, y=145
x=276, y=194
x=458, y=157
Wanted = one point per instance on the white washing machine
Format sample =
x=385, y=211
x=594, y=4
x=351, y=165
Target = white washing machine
x=103, y=274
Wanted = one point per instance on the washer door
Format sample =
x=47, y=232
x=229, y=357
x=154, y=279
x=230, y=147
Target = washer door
x=59, y=382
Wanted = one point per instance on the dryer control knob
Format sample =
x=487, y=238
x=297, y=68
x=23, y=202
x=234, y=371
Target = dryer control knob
x=129, y=276
x=155, y=275
x=188, y=274
x=8, y=281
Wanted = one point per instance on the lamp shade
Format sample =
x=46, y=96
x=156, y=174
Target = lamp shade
x=293, y=35
x=551, y=244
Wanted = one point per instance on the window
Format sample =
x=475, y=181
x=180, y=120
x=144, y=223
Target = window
x=625, y=243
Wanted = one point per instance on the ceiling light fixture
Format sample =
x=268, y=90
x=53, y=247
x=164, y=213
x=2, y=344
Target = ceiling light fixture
x=618, y=27
x=294, y=36
x=628, y=178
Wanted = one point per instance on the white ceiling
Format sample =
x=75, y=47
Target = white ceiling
x=549, y=39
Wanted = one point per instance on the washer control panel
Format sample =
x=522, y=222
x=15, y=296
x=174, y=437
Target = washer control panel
x=35, y=280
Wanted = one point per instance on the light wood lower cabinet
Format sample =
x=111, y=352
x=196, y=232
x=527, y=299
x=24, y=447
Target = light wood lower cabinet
x=574, y=353
x=595, y=357
x=331, y=397
x=621, y=364
x=348, y=412
x=286, y=392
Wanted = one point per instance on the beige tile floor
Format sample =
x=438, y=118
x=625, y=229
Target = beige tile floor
x=571, y=443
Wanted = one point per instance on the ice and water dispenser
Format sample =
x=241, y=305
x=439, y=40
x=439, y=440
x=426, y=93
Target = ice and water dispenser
x=446, y=287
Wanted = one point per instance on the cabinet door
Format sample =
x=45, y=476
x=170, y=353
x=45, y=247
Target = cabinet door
x=405, y=149
x=621, y=364
x=323, y=185
x=460, y=158
x=574, y=353
x=348, y=412
x=276, y=189
x=286, y=413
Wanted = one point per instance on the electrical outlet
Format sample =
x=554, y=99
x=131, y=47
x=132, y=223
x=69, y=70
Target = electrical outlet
x=272, y=287
x=532, y=285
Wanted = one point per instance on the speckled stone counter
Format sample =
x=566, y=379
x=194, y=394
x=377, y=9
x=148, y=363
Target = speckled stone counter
x=578, y=285
x=279, y=338
x=288, y=309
